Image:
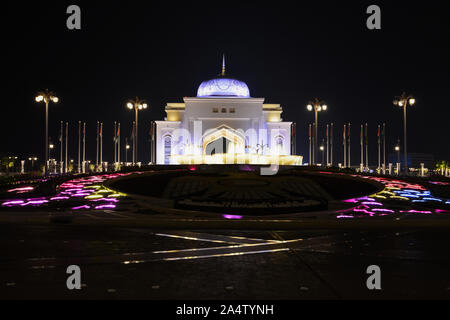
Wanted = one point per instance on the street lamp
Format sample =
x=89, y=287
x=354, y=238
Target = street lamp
x=403, y=101
x=137, y=105
x=316, y=106
x=46, y=96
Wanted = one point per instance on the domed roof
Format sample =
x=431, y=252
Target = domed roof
x=223, y=86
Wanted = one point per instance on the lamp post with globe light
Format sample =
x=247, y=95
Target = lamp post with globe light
x=46, y=96
x=316, y=106
x=403, y=101
x=137, y=105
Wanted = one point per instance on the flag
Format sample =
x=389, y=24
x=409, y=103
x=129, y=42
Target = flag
x=116, y=134
x=309, y=132
x=379, y=134
x=349, y=125
x=343, y=135
x=362, y=134
x=331, y=133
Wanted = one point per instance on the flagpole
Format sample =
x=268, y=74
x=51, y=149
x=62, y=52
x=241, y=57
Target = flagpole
x=61, y=142
x=367, y=147
x=153, y=143
x=136, y=137
x=115, y=142
x=84, y=147
x=379, y=147
x=118, y=145
x=310, y=146
x=361, y=166
x=328, y=145
x=331, y=146
x=345, y=146
x=97, y=140
x=67, y=143
x=384, y=148
x=101, y=147
x=79, y=146
x=314, y=138
x=134, y=142
x=349, y=164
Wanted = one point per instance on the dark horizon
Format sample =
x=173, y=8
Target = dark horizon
x=289, y=55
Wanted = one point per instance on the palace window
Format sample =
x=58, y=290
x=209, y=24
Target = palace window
x=279, y=144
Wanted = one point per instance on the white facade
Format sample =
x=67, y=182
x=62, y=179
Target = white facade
x=222, y=122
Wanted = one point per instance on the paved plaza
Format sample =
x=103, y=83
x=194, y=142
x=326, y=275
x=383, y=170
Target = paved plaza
x=132, y=246
x=122, y=263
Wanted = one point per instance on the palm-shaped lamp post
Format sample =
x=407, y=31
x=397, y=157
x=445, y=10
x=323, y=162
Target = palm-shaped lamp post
x=46, y=96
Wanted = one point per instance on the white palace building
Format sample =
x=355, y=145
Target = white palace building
x=224, y=125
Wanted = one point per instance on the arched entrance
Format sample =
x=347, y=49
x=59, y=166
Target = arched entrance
x=219, y=146
x=223, y=140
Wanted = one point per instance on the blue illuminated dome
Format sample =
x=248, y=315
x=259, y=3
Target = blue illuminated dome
x=223, y=86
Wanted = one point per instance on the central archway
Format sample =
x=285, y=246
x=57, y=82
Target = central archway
x=225, y=139
x=219, y=146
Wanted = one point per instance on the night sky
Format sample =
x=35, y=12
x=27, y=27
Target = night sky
x=289, y=54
